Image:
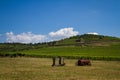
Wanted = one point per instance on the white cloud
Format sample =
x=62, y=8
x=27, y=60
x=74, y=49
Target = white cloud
x=63, y=33
x=25, y=37
x=28, y=37
x=94, y=33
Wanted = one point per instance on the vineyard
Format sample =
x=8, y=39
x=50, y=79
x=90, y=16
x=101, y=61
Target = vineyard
x=94, y=47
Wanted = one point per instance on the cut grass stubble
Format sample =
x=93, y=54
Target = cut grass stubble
x=41, y=69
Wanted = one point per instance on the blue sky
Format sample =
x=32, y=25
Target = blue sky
x=45, y=20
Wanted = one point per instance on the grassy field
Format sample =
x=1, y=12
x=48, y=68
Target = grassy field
x=94, y=47
x=77, y=52
x=40, y=69
x=111, y=53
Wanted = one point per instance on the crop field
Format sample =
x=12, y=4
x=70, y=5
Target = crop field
x=95, y=53
x=93, y=47
x=40, y=69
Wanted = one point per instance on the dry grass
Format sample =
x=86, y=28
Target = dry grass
x=40, y=69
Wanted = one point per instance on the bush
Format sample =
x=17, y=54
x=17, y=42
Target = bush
x=11, y=55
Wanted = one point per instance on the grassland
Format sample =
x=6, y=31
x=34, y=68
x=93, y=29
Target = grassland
x=103, y=51
x=94, y=47
x=41, y=69
x=74, y=52
x=99, y=53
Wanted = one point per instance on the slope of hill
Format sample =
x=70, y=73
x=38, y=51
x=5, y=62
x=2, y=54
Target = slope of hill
x=82, y=46
x=88, y=40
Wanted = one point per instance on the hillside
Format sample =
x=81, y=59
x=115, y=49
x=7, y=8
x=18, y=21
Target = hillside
x=87, y=40
x=96, y=47
x=79, y=40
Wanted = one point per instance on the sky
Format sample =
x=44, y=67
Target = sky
x=33, y=21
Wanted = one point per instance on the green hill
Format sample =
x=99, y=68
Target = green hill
x=87, y=40
x=96, y=47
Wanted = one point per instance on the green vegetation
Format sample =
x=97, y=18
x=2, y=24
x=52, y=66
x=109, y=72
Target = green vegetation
x=13, y=66
x=95, y=47
x=41, y=69
x=89, y=40
x=95, y=53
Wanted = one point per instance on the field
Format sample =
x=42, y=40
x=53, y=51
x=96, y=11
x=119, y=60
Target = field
x=40, y=69
x=93, y=47
x=94, y=53
x=20, y=61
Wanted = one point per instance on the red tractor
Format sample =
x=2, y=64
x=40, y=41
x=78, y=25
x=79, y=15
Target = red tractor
x=82, y=62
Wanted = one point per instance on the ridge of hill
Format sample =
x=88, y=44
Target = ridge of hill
x=87, y=40
x=79, y=40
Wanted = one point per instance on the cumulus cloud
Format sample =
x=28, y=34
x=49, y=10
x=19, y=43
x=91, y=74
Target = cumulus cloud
x=29, y=37
x=25, y=37
x=63, y=33
x=93, y=33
